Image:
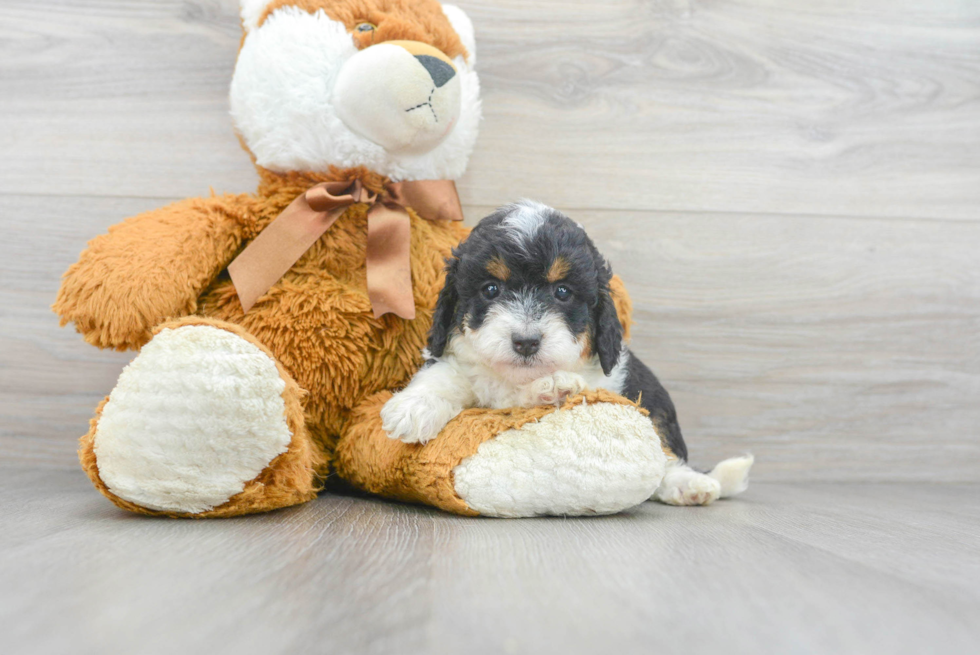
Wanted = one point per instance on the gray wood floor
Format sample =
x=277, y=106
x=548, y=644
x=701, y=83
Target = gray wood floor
x=791, y=191
x=788, y=568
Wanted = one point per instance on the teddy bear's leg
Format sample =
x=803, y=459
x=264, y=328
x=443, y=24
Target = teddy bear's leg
x=203, y=422
x=598, y=454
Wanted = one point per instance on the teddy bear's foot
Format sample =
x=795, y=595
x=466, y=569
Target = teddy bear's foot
x=203, y=422
x=598, y=454
x=597, y=458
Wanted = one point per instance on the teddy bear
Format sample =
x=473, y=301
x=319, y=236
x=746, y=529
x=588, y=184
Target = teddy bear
x=272, y=326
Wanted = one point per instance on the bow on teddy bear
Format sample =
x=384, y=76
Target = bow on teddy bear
x=226, y=412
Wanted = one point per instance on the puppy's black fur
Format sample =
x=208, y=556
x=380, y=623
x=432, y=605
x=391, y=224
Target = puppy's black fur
x=642, y=384
x=517, y=262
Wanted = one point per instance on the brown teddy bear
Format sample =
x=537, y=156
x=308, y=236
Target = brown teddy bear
x=270, y=325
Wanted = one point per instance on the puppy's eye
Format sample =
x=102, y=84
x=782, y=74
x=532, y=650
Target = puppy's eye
x=562, y=292
x=365, y=27
x=490, y=290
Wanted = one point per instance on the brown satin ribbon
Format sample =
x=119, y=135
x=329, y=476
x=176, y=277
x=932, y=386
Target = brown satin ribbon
x=389, y=275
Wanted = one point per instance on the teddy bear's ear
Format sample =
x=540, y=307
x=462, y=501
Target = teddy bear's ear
x=464, y=28
x=251, y=12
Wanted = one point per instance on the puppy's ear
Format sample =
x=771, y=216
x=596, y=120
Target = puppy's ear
x=444, y=316
x=607, y=332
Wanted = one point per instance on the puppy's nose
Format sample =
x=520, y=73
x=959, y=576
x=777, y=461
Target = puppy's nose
x=525, y=345
x=439, y=71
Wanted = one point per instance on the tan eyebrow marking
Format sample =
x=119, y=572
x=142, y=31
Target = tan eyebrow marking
x=559, y=269
x=497, y=268
x=585, y=343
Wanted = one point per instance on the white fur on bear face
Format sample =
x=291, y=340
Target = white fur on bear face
x=283, y=102
x=251, y=11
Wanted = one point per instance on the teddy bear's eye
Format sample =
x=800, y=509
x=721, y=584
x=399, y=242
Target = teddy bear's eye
x=365, y=27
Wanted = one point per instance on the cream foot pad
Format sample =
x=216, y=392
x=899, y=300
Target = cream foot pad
x=195, y=416
x=589, y=459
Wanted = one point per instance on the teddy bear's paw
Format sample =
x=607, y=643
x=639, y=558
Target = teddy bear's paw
x=414, y=417
x=552, y=389
x=685, y=486
x=194, y=417
x=598, y=458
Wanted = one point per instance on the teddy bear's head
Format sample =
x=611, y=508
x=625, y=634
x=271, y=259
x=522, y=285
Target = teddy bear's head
x=385, y=84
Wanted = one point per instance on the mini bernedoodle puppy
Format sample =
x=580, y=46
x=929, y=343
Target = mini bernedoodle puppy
x=526, y=318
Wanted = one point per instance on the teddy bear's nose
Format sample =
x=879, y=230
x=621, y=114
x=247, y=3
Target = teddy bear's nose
x=439, y=71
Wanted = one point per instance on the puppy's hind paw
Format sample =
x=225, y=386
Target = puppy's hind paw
x=683, y=486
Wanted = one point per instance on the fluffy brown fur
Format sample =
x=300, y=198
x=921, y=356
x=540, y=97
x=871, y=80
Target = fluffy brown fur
x=498, y=268
x=623, y=303
x=406, y=20
x=559, y=269
x=150, y=268
x=316, y=321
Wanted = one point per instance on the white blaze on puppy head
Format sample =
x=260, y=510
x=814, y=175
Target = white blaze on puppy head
x=385, y=84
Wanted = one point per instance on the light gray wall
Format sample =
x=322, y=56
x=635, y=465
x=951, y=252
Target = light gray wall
x=790, y=189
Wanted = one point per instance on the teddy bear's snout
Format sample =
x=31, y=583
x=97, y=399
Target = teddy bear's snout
x=402, y=95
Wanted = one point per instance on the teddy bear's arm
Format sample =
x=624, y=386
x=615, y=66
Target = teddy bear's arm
x=149, y=268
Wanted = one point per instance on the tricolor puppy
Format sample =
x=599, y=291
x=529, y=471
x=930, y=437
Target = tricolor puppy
x=526, y=318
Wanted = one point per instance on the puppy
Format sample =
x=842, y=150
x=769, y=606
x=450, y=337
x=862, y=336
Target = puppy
x=526, y=318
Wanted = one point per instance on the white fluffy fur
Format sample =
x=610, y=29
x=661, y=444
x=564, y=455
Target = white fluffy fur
x=282, y=103
x=194, y=417
x=251, y=11
x=491, y=345
x=733, y=475
x=610, y=460
x=435, y=396
x=524, y=220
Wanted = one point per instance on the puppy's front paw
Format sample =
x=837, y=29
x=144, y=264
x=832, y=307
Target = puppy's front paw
x=552, y=389
x=415, y=418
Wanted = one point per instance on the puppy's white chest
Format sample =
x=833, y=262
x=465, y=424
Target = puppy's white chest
x=493, y=392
